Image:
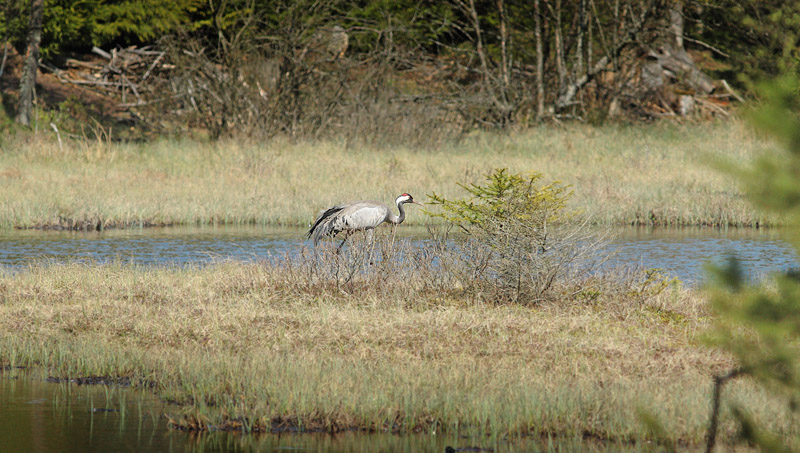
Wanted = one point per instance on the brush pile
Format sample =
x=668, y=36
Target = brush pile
x=125, y=74
x=666, y=83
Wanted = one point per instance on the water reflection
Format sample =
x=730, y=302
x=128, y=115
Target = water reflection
x=681, y=252
x=38, y=416
x=684, y=252
x=168, y=246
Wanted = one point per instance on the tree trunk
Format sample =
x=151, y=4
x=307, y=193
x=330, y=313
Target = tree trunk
x=670, y=57
x=676, y=23
x=579, y=45
x=476, y=24
x=560, y=64
x=504, y=45
x=490, y=83
x=617, y=25
x=5, y=39
x=589, y=39
x=567, y=96
x=539, y=61
x=27, y=83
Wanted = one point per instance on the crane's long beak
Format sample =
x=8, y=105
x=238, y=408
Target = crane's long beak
x=417, y=202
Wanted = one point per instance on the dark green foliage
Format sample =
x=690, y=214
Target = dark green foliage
x=14, y=22
x=142, y=20
x=67, y=24
x=761, y=328
x=761, y=37
x=464, y=64
x=506, y=198
x=105, y=23
x=760, y=325
x=388, y=24
x=774, y=181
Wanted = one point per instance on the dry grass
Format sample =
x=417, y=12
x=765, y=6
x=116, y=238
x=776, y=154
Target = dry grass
x=249, y=346
x=621, y=175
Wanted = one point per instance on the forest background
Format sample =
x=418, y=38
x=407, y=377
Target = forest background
x=396, y=71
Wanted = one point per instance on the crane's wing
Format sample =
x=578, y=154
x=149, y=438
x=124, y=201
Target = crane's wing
x=324, y=224
x=362, y=215
x=353, y=216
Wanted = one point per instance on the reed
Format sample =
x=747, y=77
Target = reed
x=265, y=346
x=654, y=174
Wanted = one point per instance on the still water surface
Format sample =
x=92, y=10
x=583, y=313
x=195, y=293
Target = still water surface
x=39, y=416
x=681, y=252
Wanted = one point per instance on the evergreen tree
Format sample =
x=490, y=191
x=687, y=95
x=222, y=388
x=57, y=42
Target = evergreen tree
x=140, y=20
x=77, y=25
x=758, y=324
x=761, y=38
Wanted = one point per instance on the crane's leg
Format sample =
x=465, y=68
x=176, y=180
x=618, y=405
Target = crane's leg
x=370, y=244
x=394, y=232
x=346, y=235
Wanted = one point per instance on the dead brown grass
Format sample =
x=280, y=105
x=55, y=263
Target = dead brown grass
x=251, y=346
x=658, y=174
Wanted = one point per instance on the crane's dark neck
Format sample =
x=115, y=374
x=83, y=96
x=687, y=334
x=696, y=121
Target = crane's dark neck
x=397, y=220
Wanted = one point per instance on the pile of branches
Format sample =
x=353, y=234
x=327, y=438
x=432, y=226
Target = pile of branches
x=127, y=75
x=663, y=83
x=300, y=86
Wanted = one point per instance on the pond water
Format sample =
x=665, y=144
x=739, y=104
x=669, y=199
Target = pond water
x=681, y=252
x=685, y=252
x=40, y=416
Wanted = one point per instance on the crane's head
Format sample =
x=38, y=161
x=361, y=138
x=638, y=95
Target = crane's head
x=406, y=198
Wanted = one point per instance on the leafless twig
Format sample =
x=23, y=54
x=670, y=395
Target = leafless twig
x=719, y=381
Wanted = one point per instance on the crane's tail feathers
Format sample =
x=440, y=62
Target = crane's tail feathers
x=324, y=225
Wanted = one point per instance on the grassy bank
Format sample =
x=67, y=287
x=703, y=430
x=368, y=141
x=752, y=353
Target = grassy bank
x=258, y=346
x=621, y=175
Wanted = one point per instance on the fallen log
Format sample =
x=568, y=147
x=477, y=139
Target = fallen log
x=101, y=52
x=83, y=64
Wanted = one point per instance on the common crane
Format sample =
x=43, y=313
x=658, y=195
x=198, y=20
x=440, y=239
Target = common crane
x=357, y=216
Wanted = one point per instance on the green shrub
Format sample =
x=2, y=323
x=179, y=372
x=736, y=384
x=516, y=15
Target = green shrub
x=506, y=199
x=523, y=243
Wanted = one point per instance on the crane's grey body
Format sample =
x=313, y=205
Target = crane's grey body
x=356, y=216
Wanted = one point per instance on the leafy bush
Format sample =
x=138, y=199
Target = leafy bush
x=523, y=242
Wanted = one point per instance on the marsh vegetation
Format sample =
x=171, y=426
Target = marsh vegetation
x=252, y=346
x=386, y=339
x=647, y=175
x=470, y=338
